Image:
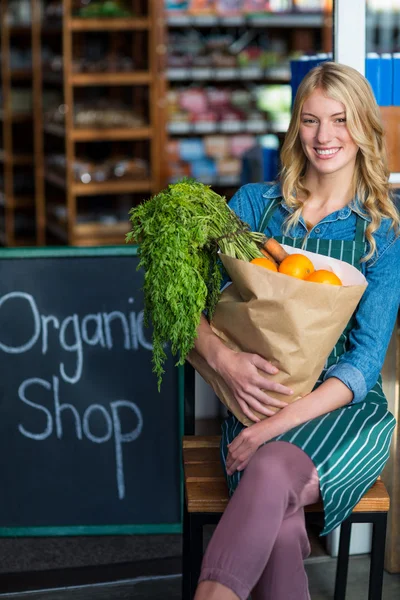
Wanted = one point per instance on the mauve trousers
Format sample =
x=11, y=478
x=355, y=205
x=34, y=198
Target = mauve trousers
x=261, y=541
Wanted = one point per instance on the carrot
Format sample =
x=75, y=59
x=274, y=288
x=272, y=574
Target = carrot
x=268, y=255
x=275, y=250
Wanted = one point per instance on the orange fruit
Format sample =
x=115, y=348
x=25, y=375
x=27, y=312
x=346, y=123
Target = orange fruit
x=264, y=262
x=323, y=276
x=296, y=265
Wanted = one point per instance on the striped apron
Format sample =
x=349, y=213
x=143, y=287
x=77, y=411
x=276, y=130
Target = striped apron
x=348, y=446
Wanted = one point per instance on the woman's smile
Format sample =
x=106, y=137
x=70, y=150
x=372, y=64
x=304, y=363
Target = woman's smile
x=326, y=153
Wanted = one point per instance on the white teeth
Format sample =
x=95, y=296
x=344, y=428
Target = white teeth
x=327, y=151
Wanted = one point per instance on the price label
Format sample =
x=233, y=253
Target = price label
x=231, y=126
x=179, y=127
x=205, y=20
x=226, y=73
x=178, y=20
x=229, y=180
x=251, y=73
x=205, y=127
x=178, y=74
x=201, y=73
x=256, y=126
x=233, y=20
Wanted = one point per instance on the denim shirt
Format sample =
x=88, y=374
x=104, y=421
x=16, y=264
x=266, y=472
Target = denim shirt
x=360, y=366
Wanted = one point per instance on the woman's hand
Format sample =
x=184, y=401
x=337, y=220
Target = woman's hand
x=250, y=389
x=245, y=445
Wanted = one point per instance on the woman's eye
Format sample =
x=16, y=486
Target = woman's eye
x=341, y=120
x=309, y=121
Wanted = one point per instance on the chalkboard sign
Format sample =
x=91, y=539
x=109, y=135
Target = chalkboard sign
x=87, y=443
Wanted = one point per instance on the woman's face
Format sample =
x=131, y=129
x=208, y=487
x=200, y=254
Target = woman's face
x=324, y=136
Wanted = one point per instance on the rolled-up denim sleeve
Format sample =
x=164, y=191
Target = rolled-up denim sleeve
x=375, y=317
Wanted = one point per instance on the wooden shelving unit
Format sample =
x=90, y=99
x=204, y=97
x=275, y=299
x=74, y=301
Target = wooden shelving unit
x=18, y=225
x=63, y=189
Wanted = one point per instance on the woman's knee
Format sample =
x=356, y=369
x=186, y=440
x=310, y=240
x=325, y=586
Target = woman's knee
x=279, y=461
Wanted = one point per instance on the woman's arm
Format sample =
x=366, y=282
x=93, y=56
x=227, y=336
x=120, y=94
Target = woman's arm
x=240, y=370
x=329, y=396
x=376, y=314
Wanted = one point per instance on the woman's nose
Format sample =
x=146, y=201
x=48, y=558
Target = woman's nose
x=324, y=133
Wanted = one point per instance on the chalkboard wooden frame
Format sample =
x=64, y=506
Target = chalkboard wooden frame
x=159, y=528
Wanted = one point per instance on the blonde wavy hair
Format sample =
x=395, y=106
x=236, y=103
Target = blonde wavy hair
x=371, y=174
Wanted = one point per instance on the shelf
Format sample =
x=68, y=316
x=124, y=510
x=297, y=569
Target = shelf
x=205, y=128
x=287, y=20
x=19, y=29
x=20, y=160
x=229, y=74
x=93, y=135
x=103, y=188
x=16, y=117
x=54, y=129
x=115, y=24
x=87, y=234
x=110, y=187
x=86, y=79
x=18, y=202
x=21, y=74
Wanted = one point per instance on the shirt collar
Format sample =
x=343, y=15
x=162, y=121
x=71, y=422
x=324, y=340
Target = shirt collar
x=274, y=192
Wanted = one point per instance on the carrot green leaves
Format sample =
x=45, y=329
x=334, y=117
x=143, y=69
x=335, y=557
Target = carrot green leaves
x=179, y=232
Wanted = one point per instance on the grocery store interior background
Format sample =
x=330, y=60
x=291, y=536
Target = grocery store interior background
x=103, y=103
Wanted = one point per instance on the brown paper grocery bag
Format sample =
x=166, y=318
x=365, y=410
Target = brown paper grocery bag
x=292, y=323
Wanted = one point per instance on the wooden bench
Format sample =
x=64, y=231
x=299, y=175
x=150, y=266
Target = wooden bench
x=206, y=496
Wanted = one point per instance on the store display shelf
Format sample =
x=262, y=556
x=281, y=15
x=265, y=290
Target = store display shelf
x=115, y=134
x=17, y=201
x=21, y=74
x=89, y=79
x=20, y=160
x=287, y=20
x=54, y=129
x=19, y=29
x=116, y=24
x=16, y=117
x=203, y=127
x=228, y=74
x=110, y=187
x=85, y=232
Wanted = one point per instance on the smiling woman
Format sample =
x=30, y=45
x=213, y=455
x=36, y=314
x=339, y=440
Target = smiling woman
x=335, y=440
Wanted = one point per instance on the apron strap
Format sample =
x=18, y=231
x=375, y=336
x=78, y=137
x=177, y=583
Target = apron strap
x=267, y=214
x=361, y=225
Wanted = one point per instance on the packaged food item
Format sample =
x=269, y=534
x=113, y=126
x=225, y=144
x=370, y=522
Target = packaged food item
x=197, y=7
x=216, y=146
x=229, y=7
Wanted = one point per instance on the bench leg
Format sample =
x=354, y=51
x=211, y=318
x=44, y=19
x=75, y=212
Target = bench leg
x=192, y=553
x=186, y=550
x=343, y=560
x=377, y=556
x=196, y=557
